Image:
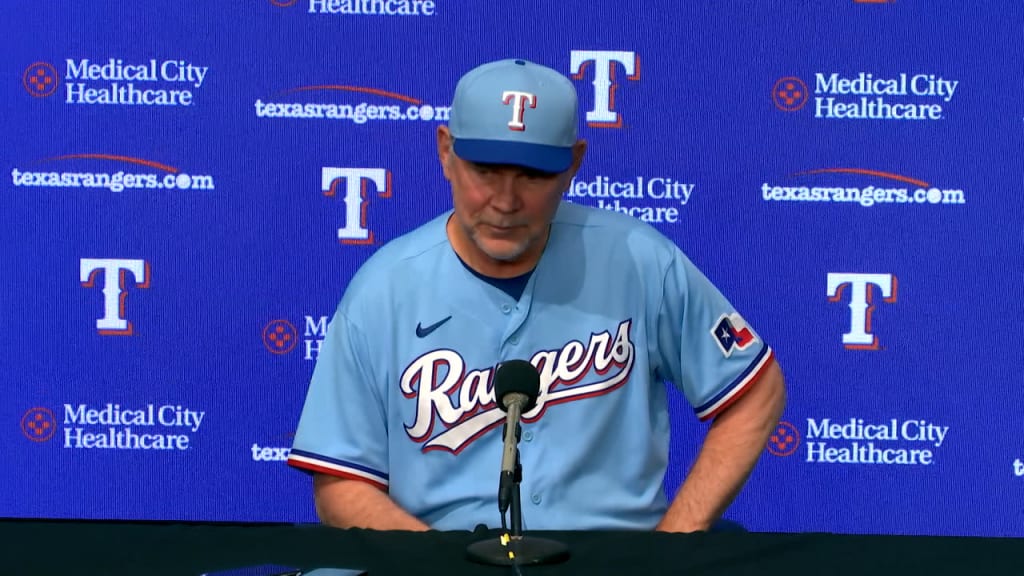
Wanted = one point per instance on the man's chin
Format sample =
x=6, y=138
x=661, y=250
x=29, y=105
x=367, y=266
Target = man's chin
x=502, y=252
x=508, y=256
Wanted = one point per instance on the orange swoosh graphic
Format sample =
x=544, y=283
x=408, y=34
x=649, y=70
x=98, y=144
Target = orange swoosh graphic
x=139, y=161
x=878, y=173
x=401, y=97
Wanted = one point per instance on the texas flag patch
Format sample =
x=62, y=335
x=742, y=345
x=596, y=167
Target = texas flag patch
x=731, y=333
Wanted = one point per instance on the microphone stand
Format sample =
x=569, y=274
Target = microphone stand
x=516, y=522
x=513, y=548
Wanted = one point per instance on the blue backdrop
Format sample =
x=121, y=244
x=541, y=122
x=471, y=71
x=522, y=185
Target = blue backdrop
x=188, y=187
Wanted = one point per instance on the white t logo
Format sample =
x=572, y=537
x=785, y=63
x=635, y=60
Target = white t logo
x=519, y=101
x=603, y=115
x=860, y=337
x=113, y=322
x=356, y=198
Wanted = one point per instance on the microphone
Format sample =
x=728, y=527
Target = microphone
x=516, y=387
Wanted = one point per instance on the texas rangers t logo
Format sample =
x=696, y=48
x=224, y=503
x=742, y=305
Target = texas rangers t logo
x=115, y=289
x=861, y=304
x=519, y=101
x=604, y=115
x=355, y=198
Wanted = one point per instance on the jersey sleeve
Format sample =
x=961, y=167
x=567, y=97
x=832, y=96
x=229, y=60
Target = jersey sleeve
x=704, y=346
x=342, y=430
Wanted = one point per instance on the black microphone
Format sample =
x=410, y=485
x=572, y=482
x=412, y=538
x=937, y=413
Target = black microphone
x=516, y=387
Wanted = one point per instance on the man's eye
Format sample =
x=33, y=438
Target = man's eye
x=538, y=175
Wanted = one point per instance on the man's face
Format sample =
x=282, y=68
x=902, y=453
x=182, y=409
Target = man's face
x=504, y=211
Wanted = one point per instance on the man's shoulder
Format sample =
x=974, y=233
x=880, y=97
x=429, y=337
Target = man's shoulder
x=402, y=258
x=417, y=242
x=597, y=224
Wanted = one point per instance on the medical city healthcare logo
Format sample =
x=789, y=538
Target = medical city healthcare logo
x=867, y=95
x=865, y=187
x=910, y=441
x=40, y=79
x=38, y=424
x=116, y=427
x=169, y=82
x=281, y=337
x=859, y=441
x=790, y=94
x=652, y=199
x=785, y=440
x=363, y=7
x=605, y=65
x=356, y=104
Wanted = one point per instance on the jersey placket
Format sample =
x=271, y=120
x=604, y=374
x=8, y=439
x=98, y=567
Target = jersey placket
x=517, y=345
x=512, y=339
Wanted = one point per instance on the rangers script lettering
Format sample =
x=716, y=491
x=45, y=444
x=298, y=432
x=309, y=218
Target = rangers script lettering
x=475, y=389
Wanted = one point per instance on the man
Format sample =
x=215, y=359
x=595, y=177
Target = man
x=400, y=426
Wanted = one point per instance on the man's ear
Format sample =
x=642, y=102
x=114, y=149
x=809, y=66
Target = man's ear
x=579, y=150
x=444, y=148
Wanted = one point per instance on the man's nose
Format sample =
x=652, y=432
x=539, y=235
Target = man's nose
x=506, y=196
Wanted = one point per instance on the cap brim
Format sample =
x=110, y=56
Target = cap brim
x=537, y=156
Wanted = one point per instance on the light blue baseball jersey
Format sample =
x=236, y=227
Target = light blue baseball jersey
x=402, y=394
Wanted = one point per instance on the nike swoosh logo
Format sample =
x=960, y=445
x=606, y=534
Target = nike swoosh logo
x=424, y=332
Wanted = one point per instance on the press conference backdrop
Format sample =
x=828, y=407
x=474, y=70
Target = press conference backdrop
x=188, y=187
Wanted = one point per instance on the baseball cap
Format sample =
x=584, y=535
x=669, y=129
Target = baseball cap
x=515, y=112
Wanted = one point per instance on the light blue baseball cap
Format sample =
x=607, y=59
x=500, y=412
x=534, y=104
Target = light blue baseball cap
x=515, y=112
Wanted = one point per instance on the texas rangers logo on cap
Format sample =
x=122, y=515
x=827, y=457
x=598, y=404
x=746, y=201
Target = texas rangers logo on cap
x=515, y=112
x=731, y=333
x=519, y=102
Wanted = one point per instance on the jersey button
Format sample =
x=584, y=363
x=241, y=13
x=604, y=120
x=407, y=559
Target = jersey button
x=528, y=435
x=514, y=340
x=535, y=498
x=505, y=308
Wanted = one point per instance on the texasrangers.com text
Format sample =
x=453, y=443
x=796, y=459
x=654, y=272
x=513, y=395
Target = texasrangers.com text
x=867, y=196
x=116, y=182
x=358, y=113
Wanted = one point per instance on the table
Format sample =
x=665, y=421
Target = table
x=40, y=548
